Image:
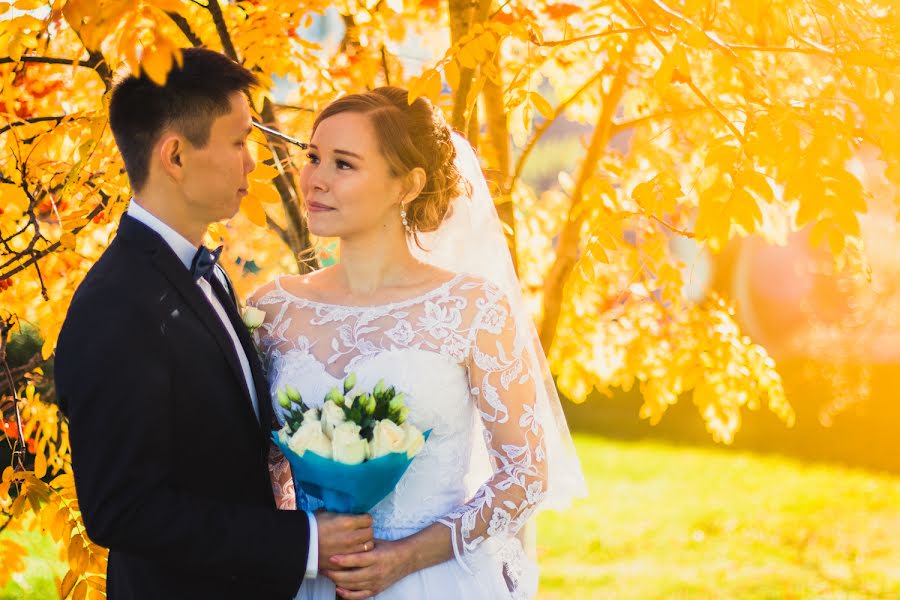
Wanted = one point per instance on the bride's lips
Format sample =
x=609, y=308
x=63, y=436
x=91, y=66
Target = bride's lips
x=317, y=207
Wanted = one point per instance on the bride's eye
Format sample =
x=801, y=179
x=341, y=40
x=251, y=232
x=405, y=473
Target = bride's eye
x=343, y=165
x=312, y=158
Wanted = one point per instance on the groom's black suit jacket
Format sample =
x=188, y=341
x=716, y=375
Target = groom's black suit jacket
x=169, y=458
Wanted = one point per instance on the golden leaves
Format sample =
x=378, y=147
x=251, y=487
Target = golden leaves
x=658, y=196
x=158, y=60
x=13, y=197
x=11, y=555
x=252, y=208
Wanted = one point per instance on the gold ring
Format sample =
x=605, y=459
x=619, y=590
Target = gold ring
x=366, y=547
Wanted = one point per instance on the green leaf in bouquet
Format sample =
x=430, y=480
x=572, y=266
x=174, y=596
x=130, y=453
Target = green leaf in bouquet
x=335, y=395
x=292, y=394
x=349, y=383
x=368, y=405
x=381, y=410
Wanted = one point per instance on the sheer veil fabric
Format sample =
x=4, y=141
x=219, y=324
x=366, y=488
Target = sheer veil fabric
x=471, y=240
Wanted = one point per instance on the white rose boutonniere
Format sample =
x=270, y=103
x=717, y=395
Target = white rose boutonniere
x=252, y=318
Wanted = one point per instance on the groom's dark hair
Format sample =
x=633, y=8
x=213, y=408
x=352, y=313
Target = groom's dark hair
x=195, y=93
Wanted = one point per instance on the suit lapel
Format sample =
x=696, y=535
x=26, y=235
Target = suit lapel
x=172, y=268
x=256, y=370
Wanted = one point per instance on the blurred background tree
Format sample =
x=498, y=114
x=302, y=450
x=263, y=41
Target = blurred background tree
x=691, y=190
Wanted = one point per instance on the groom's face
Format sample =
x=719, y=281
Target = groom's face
x=215, y=176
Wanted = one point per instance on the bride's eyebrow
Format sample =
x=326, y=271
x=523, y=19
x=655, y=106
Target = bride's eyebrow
x=339, y=151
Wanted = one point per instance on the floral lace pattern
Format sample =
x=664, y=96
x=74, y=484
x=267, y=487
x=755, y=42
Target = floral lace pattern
x=457, y=354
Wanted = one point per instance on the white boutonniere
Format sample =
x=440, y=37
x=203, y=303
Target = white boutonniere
x=252, y=318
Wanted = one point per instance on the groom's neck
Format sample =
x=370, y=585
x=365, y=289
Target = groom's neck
x=174, y=214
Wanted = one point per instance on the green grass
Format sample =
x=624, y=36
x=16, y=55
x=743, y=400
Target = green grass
x=668, y=522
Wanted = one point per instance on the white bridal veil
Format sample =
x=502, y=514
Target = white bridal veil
x=471, y=240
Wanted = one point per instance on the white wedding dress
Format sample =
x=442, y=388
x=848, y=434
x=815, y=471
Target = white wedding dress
x=453, y=352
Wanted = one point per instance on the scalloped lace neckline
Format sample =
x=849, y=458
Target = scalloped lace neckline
x=364, y=307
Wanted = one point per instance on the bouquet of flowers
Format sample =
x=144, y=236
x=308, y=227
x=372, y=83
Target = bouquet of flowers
x=352, y=452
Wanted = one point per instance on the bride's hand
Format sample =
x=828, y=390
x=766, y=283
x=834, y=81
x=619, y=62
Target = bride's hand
x=368, y=573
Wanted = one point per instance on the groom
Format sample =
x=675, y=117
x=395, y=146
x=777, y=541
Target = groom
x=169, y=411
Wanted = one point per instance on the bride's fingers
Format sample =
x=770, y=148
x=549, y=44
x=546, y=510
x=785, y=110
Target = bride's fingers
x=355, y=561
x=348, y=595
x=355, y=579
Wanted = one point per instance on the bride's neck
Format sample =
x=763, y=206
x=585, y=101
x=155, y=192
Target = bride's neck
x=369, y=265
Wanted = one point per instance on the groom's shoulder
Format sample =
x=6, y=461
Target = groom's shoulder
x=115, y=284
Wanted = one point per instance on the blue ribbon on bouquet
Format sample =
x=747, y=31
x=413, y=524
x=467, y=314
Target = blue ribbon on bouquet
x=346, y=488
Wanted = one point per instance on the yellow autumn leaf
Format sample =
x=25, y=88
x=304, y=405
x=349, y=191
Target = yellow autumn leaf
x=157, y=62
x=67, y=240
x=541, y=105
x=253, y=210
x=67, y=583
x=451, y=73
x=13, y=195
x=40, y=465
x=264, y=192
x=80, y=591
x=264, y=172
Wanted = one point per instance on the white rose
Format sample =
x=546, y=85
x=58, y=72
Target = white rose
x=311, y=414
x=310, y=437
x=414, y=439
x=348, y=447
x=387, y=437
x=284, y=434
x=252, y=317
x=332, y=416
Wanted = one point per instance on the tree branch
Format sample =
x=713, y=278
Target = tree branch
x=542, y=129
x=24, y=122
x=95, y=62
x=185, y=28
x=659, y=46
x=593, y=36
x=36, y=256
x=222, y=29
x=567, y=246
x=48, y=60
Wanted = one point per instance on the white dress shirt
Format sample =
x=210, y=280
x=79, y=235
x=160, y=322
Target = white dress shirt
x=185, y=252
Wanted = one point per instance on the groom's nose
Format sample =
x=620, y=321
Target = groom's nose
x=249, y=163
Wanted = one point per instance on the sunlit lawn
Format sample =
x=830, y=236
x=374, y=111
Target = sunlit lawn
x=668, y=522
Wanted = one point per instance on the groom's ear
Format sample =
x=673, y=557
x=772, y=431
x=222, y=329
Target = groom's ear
x=170, y=153
x=413, y=184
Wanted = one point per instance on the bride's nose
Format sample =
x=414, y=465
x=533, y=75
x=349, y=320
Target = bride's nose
x=312, y=178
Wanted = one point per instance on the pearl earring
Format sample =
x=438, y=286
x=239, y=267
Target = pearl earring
x=403, y=218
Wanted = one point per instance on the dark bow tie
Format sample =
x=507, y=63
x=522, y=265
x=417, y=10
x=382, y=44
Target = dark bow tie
x=204, y=262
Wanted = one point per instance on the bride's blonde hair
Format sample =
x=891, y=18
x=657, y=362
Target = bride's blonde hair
x=410, y=136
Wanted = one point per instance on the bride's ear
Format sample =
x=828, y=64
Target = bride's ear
x=413, y=184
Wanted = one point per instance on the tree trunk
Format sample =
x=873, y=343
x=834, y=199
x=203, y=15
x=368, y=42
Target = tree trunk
x=297, y=232
x=567, y=247
x=499, y=172
x=463, y=15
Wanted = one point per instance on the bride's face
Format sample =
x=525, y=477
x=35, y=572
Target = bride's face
x=347, y=185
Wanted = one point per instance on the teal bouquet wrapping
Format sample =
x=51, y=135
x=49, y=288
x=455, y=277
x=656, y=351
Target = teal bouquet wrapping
x=351, y=452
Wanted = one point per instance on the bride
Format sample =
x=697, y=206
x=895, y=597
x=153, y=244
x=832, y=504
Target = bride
x=425, y=297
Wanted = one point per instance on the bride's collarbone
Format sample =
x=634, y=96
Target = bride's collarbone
x=324, y=289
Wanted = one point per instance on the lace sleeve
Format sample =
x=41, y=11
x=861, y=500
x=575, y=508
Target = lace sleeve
x=503, y=389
